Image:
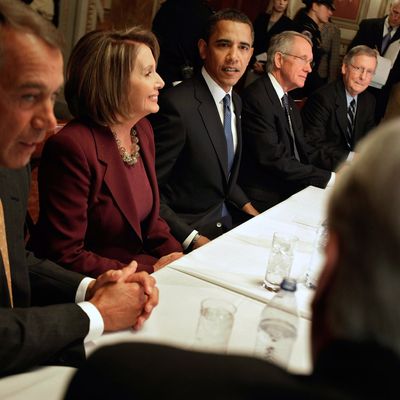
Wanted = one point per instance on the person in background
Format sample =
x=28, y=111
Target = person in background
x=198, y=137
x=277, y=161
x=99, y=200
x=355, y=324
x=267, y=24
x=383, y=34
x=46, y=312
x=336, y=116
x=309, y=22
x=44, y=7
x=178, y=25
x=328, y=68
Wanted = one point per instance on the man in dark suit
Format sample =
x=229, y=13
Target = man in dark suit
x=382, y=34
x=277, y=161
x=355, y=323
x=198, y=137
x=46, y=312
x=339, y=114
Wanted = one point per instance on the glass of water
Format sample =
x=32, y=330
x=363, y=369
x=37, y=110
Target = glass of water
x=215, y=324
x=280, y=260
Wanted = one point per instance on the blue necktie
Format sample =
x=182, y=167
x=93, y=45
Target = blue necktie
x=228, y=130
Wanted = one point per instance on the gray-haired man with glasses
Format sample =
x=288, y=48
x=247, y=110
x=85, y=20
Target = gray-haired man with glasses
x=338, y=115
x=277, y=162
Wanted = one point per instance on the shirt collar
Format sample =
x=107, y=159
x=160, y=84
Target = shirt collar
x=349, y=98
x=278, y=88
x=216, y=91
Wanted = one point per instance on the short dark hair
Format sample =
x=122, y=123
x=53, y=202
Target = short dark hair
x=98, y=73
x=17, y=15
x=227, y=14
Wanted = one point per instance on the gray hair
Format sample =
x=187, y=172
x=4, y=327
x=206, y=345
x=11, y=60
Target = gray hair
x=282, y=43
x=360, y=50
x=17, y=15
x=362, y=301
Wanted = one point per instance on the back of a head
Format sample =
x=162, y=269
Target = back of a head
x=362, y=304
x=17, y=15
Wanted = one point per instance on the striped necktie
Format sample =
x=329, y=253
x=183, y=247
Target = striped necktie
x=228, y=130
x=351, y=114
x=4, y=253
x=386, y=40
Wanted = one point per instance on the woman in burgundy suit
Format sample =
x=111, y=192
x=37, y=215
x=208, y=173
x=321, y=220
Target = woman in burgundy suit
x=99, y=200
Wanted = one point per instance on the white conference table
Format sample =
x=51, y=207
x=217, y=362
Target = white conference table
x=231, y=267
x=237, y=260
x=173, y=322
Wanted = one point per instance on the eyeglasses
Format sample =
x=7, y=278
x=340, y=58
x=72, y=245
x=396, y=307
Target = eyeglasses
x=361, y=70
x=303, y=59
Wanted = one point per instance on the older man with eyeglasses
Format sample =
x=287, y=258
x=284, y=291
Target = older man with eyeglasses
x=277, y=162
x=338, y=115
x=383, y=34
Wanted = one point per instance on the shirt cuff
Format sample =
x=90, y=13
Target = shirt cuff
x=188, y=240
x=350, y=156
x=96, y=326
x=81, y=291
x=332, y=180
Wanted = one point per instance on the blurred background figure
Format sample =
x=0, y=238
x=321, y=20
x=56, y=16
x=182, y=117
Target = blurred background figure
x=328, y=68
x=99, y=200
x=179, y=25
x=44, y=7
x=267, y=24
x=309, y=21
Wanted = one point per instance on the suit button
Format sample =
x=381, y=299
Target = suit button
x=219, y=225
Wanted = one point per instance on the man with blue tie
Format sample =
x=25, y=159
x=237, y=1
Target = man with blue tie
x=198, y=137
x=338, y=115
x=383, y=34
x=277, y=162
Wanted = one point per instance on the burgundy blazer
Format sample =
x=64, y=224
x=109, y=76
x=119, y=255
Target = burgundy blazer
x=88, y=221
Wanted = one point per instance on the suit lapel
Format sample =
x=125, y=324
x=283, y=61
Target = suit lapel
x=212, y=122
x=341, y=108
x=115, y=177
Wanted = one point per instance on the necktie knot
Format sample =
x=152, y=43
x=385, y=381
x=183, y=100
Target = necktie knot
x=227, y=102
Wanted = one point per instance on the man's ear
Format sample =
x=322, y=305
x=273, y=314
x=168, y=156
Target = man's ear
x=202, y=45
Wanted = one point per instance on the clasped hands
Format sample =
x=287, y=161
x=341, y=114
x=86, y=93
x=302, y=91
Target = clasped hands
x=125, y=298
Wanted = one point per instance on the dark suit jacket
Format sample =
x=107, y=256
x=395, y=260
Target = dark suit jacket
x=87, y=220
x=53, y=332
x=345, y=370
x=191, y=160
x=325, y=121
x=370, y=33
x=269, y=171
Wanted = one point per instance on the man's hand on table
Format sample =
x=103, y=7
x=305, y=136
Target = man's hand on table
x=125, y=298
